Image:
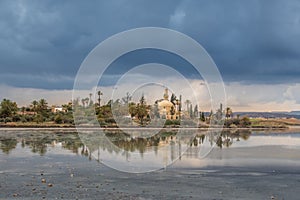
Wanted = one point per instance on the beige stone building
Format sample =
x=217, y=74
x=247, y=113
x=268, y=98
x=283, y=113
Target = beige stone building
x=168, y=110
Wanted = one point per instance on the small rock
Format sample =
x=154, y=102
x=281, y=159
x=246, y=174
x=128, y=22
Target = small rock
x=50, y=185
x=43, y=180
x=15, y=195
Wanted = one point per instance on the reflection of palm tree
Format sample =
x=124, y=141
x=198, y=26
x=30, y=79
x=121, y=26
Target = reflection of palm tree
x=245, y=135
x=219, y=142
x=7, y=144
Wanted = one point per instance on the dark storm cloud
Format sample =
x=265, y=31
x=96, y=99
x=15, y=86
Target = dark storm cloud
x=250, y=41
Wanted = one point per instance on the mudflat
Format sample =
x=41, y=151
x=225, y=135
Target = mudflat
x=61, y=178
x=55, y=165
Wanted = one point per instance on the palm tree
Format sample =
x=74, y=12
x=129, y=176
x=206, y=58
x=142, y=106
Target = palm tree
x=228, y=113
x=132, y=109
x=23, y=110
x=99, y=97
x=87, y=101
x=8, y=108
x=83, y=102
x=127, y=98
x=65, y=107
x=91, y=102
x=173, y=99
x=42, y=105
x=187, y=103
x=142, y=110
x=75, y=103
x=191, y=111
x=34, y=105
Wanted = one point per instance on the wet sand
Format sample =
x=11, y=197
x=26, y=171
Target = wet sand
x=264, y=166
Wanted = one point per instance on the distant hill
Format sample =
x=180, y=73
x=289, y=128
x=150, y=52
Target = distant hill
x=293, y=114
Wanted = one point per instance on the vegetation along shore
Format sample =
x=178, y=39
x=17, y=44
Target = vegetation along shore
x=38, y=114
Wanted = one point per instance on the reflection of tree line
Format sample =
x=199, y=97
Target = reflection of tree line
x=226, y=138
x=115, y=141
x=7, y=144
x=38, y=143
x=142, y=144
x=121, y=142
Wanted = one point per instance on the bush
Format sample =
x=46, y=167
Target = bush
x=38, y=118
x=16, y=118
x=245, y=122
x=58, y=119
x=23, y=119
x=168, y=122
x=110, y=121
x=29, y=118
x=7, y=119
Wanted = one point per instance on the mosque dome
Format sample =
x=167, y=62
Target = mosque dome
x=166, y=108
x=165, y=103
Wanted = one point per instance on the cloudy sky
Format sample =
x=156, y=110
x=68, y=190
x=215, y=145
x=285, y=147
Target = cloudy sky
x=255, y=45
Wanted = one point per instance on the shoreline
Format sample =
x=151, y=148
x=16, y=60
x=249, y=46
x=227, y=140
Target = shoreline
x=49, y=128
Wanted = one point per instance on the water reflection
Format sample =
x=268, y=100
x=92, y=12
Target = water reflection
x=115, y=141
x=39, y=142
x=114, y=148
x=7, y=144
x=227, y=138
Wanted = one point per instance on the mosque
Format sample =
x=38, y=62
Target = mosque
x=167, y=109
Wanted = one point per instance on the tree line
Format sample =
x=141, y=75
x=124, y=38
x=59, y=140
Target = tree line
x=140, y=112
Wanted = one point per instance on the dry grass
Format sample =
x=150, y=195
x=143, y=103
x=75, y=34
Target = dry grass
x=277, y=122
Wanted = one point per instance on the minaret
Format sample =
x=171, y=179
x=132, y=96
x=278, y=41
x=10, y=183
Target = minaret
x=166, y=96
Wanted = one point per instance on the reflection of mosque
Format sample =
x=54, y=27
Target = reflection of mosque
x=174, y=143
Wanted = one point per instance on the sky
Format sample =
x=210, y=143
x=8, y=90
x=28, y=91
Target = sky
x=255, y=45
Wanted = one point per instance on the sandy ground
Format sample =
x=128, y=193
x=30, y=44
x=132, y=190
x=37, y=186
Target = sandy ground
x=74, y=177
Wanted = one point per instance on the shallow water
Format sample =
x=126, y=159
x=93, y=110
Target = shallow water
x=244, y=148
x=263, y=165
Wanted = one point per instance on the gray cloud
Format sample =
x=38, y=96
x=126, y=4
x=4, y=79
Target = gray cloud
x=250, y=41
